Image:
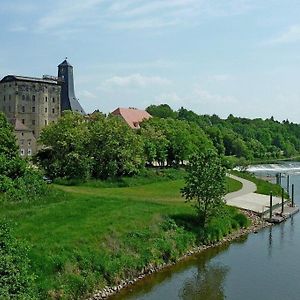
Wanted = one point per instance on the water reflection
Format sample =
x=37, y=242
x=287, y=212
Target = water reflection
x=207, y=283
x=270, y=242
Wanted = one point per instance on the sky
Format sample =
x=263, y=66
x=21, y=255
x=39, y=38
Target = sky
x=219, y=57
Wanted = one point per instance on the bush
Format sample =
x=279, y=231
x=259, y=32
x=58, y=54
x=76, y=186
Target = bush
x=16, y=279
x=28, y=187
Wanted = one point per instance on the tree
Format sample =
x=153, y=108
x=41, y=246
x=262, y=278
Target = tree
x=205, y=184
x=161, y=111
x=116, y=150
x=8, y=145
x=64, y=153
x=155, y=144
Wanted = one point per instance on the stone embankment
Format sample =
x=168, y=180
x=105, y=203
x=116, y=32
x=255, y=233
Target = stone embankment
x=257, y=224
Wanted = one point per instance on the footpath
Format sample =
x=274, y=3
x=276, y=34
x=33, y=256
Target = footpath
x=247, y=199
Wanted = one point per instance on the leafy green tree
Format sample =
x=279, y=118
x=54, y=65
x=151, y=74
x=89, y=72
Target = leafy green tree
x=116, y=150
x=205, y=184
x=155, y=144
x=64, y=147
x=161, y=111
x=8, y=145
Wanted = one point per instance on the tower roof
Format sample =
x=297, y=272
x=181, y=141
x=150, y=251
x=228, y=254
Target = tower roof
x=65, y=63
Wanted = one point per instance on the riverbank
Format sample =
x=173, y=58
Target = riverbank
x=95, y=234
x=257, y=224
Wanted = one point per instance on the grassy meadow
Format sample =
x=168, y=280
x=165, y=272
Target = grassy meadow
x=88, y=235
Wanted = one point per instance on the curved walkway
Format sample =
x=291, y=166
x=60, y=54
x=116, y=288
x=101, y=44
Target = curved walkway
x=246, y=198
x=248, y=187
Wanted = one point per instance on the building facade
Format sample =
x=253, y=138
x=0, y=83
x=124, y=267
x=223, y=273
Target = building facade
x=31, y=103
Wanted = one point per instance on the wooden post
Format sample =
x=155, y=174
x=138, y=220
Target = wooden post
x=288, y=185
x=279, y=178
x=271, y=204
x=293, y=195
x=282, y=200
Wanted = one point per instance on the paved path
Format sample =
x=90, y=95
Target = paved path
x=246, y=198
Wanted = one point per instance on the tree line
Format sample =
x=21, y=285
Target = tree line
x=240, y=137
x=99, y=146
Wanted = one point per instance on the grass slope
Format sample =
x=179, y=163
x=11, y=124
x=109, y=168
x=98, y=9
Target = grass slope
x=263, y=187
x=86, y=236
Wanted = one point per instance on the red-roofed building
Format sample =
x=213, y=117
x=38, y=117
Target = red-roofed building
x=132, y=116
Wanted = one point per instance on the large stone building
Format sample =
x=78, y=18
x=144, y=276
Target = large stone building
x=32, y=103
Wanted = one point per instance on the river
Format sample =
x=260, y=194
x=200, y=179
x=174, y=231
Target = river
x=265, y=265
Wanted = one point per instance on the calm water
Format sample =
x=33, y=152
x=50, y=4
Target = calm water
x=259, y=266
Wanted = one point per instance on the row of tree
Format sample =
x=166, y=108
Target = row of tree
x=100, y=147
x=240, y=137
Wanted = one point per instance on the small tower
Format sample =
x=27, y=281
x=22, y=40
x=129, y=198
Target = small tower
x=68, y=98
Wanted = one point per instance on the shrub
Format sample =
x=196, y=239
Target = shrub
x=28, y=187
x=16, y=279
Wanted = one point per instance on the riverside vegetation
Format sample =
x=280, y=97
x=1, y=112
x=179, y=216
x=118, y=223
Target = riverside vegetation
x=107, y=217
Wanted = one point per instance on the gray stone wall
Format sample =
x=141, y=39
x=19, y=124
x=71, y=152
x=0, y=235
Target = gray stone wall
x=35, y=104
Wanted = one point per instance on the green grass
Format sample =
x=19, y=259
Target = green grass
x=85, y=236
x=263, y=187
x=233, y=185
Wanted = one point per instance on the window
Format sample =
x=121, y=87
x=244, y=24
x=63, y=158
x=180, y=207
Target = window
x=29, y=142
x=33, y=98
x=23, y=97
x=33, y=108
x=9, y=108
x=23, y=109
x=22, y=134
x=53, y=110
x=23, y=121
x=9, y=97
x=29, y=152
x=46, y=122
x=53, y=100
x=22, y=142
x=22, y=151
x=46, y=99
x=33, y=132
x=46, y=109
x=4, y=98
x=33, y=122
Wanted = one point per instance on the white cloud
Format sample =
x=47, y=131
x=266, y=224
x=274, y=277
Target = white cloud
x=291, y=35
x=67, y=12
x=134, y=80
x=206, y=97
x=134, y=14
x=169, y=98
x=18, y=28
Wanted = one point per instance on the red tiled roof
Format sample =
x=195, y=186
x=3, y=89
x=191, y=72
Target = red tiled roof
x=132, y=116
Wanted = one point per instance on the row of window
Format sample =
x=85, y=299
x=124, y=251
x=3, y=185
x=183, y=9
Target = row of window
x=33, y=122
x=27, y=98
x=22, y=152
x=33, y=109
x=33, y=87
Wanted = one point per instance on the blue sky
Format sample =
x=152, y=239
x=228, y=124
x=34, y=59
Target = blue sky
x=211, y=56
